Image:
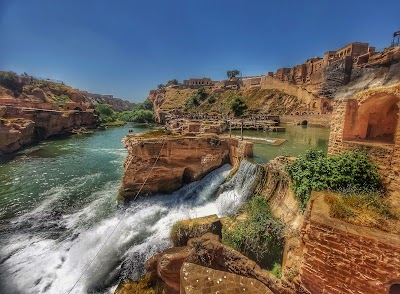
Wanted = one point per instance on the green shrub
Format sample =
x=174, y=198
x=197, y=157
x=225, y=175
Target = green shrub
x=238, y=105
x=211, y=99
x=260, y=236
x=348, y=172
x=62, y=99
x=201, y=93
x=277, y=270
x=139, y=116
x=192, y=101
x=10, y=81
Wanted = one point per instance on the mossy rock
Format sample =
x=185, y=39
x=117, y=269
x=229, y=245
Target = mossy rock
x=184, y=230
x=145, y=285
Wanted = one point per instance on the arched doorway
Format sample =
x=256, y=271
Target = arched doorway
x=394, y=289
x=374, y=120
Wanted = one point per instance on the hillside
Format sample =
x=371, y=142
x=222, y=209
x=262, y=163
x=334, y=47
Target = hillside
x=16, y=89
x=258, y=101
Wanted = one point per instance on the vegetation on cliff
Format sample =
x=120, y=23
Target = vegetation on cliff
x=259, y=235
x=369, y=210
x=238, y=105
x=347, y=172
x=219, y=100
x=10, y=81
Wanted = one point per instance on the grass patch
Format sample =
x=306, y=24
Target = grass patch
x=260, y=236
x=62, y=99
x=369, y=210
x=117, y=123
x=154, y=134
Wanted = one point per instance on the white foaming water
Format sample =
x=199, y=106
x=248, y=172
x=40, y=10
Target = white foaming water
x=45, y=252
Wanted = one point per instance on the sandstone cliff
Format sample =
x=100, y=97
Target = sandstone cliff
x=161, y=164
x=32, y=125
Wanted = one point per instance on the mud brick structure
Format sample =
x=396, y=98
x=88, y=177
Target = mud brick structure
x=369, y=121
x=339, y=257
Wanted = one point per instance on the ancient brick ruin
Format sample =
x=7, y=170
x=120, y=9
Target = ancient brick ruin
x=339, y=257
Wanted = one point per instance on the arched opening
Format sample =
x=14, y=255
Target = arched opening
x=314, y=105
x=78, y=108
x=40, y=133
x=186, y=176
x=374, y=120
x=394, y=289
x=304, y=123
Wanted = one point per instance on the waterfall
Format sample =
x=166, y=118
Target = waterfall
x=46, y=251
x=240, y=188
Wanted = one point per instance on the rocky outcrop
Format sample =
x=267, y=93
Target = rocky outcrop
x=200, y=279
x=20, y=127
x=15, y=134
x=208, y=251
x=161, y=164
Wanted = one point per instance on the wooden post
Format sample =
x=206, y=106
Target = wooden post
x=241, y=130
x=230, y=128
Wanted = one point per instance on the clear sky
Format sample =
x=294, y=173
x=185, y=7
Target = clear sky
x=126, y=48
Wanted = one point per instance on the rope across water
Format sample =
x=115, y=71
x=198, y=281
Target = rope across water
x=108, y=238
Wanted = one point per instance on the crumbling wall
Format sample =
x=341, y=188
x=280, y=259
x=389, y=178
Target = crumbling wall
x=339, y=257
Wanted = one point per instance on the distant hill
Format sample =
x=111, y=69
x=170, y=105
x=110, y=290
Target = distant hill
x=22, y=89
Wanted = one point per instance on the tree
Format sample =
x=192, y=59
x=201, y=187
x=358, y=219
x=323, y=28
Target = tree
x=238, y=106
x=232, y=73
x=147, y=105
x=10, y=81
x=201, y=93
x=160, y=86
x=173, y=82
x=104, y=110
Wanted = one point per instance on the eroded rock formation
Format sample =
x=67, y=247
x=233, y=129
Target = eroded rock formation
x=208, y=251
x=164, y=164
x=20, y=126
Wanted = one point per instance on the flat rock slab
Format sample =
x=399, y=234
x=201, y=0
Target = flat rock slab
x=196, y=279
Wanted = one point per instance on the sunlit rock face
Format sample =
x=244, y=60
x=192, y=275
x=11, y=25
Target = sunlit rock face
x=162, y=165
x=20, y=127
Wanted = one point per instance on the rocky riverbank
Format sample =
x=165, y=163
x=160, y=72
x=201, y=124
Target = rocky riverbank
x=23, y=126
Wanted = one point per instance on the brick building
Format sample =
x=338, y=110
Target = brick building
x=203, y=82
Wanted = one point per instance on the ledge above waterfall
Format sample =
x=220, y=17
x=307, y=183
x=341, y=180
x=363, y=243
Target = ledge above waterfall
x=161, y=163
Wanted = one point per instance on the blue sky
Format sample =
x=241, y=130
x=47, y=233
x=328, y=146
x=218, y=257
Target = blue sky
x=126, y=48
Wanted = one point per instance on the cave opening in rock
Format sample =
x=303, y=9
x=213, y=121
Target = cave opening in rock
x=394, y=289
x=40, y=133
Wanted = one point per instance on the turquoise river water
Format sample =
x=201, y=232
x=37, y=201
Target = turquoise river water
x=58, y=208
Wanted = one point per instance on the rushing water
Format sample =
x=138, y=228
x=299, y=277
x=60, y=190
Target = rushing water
x=299, y=139
x=58, y=209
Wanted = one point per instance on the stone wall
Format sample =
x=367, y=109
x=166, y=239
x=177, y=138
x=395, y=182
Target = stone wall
x=339, y=257
x=268, y=82
x=385, y=155
x=322, y=120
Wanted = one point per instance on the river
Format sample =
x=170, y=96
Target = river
x=62, y=230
